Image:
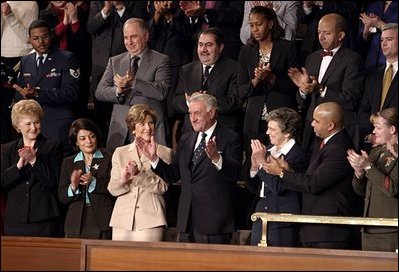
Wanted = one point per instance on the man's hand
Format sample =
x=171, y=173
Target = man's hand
x=123, y=83
x=27, y=92
x=211, y=150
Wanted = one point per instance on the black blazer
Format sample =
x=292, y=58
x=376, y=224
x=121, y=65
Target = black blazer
x=281, y=94
x=344, y=81
x=31, y=191
x=371, y=99
x=327, y=190
x=207, y=192
x=221, y=83
x=102, y=202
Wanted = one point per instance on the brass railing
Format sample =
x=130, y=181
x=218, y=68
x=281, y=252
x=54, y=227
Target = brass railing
x=318, y=219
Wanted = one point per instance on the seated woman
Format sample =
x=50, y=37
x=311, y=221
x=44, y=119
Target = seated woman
x=283, y=128
x=83, y=184
x=376, y=178
x=30, y=168
x=139, y=212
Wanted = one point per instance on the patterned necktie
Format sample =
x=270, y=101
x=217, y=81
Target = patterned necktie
x=134, y=65
x=386, y=83
x=40, y=64
x=205, y=78
x=199, y=151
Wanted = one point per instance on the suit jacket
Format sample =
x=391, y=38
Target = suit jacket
x=102, y=202
x=344, y=81
x=281, y=94
x=327, y=190
x=371, y=99
x=221, y=83
x=58, y=91
x=379, y=187
x=206, y=193
x=278, y=199
x=32, y=190
x=150, y=86
x=141, y=204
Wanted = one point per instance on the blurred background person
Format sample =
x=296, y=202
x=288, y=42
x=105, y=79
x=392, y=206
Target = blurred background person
x=376, y=179
x=170, y=34
x=83, y=184
x=67, y=21
x=374, y=15
x=106, y=19
x=284, y=127
x=16, y=16
x=30, y=168
x=139, y=213
x=286, y=12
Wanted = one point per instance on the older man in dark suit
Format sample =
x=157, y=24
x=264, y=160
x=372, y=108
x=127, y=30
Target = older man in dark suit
x=214, y=74
x=140, y=75
x=51, y=76
x=326, y=185
x=332, y=74
x=207, y=162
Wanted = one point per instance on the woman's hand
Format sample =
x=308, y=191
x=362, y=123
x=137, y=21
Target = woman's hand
x=128, y=172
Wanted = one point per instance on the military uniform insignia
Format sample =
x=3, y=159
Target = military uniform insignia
x=74, y=73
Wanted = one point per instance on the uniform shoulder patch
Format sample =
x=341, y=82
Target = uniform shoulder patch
x=74, y=73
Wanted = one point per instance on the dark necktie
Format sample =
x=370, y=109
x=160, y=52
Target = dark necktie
x=322, y=144
x=205, y=78
x=199, y=152
x=326, y=53
x=134, y=65
x=40, y=65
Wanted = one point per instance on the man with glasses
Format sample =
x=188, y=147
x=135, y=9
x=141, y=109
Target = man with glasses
x=50, y=76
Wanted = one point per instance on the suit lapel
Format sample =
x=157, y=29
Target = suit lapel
x=335, y=62
x=196, y=76
x=392, y=89
x=145, y=63
x=190, y=148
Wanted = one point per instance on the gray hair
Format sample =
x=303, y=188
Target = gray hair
x=389, y=26
x=142, y=24
x=209, y=100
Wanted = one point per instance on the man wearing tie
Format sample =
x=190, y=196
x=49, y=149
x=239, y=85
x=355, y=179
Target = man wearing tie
x=214, y=74
x=51, y=76
x=140, y=75
x=208, y=162
x=326, y=186
x=334, y=74
x=381, y=85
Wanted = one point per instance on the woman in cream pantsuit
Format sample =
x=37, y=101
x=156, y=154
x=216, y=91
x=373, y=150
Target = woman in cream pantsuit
x=139, y=211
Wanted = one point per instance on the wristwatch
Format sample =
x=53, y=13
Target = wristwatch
x=281, y=175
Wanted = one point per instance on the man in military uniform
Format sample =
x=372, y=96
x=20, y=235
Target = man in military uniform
x=51, y=76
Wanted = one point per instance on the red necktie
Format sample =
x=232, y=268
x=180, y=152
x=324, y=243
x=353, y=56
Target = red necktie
x=322, y=144
x=326, y=53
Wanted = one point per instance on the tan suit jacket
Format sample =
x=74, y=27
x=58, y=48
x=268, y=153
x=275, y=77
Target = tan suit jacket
x=139, y=205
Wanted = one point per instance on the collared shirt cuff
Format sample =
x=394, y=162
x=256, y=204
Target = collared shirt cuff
x=103, y=15
x=71, y=193
x=219, y=163
x=302, y=94
x=253, y=173
x=323, y=92
x=155, y=163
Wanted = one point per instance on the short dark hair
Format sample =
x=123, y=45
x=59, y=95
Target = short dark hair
x=215, y=31
x=37, y=24
x=289, y=121
x=86, y=124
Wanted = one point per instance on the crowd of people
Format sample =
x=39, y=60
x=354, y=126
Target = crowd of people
x=203, y=94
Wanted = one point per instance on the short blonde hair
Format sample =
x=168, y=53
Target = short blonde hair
x=137, y=114
x=25, y=107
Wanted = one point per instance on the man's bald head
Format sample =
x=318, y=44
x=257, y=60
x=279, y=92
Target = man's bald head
x=332, y=111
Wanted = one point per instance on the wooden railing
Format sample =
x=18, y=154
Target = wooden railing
x=51, y=254
x=318, y=219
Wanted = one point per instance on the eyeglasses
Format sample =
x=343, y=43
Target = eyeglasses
x=42, y=37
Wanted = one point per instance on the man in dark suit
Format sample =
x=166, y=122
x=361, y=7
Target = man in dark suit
x=213, y=74
x=50, y=76
x=327, y=184
x=373, y=100
x=332, y=74
x=207, y=162
x=140, y=75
